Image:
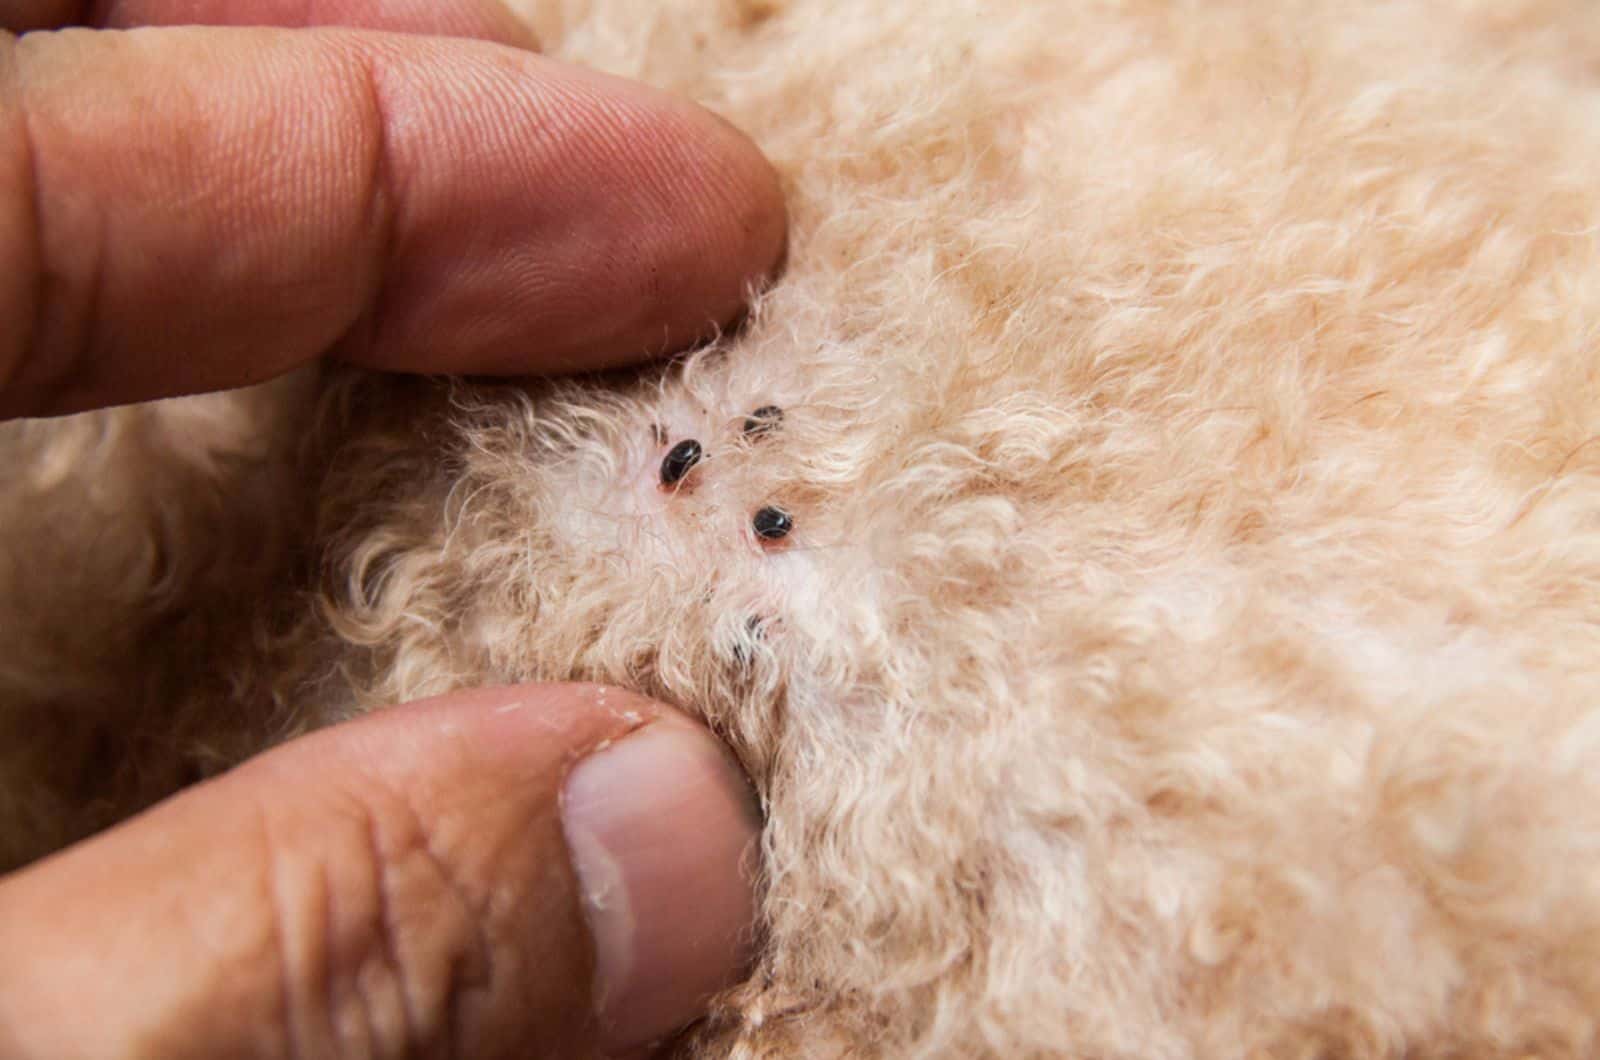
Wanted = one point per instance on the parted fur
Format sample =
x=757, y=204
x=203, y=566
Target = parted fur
x=1189, y=642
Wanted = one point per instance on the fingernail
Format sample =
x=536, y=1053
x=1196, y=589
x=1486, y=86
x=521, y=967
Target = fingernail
x=662, y=831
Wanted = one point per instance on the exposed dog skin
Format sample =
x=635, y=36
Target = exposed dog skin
x=1181, y=635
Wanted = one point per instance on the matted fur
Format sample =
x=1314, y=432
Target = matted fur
x=1188, y=643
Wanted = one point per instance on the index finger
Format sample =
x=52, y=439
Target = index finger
x=485, y=19
x=193, y=209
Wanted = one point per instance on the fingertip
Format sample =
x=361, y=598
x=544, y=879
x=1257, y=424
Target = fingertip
x=753, y=223
x=662, y=829
x=606, y=222
x=658, y=823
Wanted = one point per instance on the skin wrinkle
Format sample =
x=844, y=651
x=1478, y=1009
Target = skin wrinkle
x=91, y=318
x=292, y=1033
x=382, y=211
x=387, y=930
x=388, y=958
x=478, y=979
x=31, y=212
x=434, y=1013
x=330, y=982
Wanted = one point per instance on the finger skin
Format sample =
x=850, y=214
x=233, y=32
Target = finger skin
x=189, y=209
x=485, y=19
x=397, y=886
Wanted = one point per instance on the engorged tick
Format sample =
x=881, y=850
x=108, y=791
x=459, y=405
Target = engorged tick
x=763, y=420
x=770, y=523
x=679, y=459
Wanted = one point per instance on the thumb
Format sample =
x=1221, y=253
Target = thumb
x=529, y=871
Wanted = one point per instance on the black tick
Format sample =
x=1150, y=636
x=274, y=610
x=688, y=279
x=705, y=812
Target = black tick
x=770, y=523
x=679, y=460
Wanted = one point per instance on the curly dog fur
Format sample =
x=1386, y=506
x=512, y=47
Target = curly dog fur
x=1187, y=642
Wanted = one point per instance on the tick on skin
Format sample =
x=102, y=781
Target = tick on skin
x=755, y=631
x=679, y=460
x=771, y=524
x=763, y=420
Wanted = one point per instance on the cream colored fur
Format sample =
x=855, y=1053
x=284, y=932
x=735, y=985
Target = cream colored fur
x=1189, y=645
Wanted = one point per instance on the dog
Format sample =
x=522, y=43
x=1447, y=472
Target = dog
x=1145, y=548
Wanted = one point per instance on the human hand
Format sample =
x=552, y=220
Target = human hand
x=191, y=208
x=543, y=870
